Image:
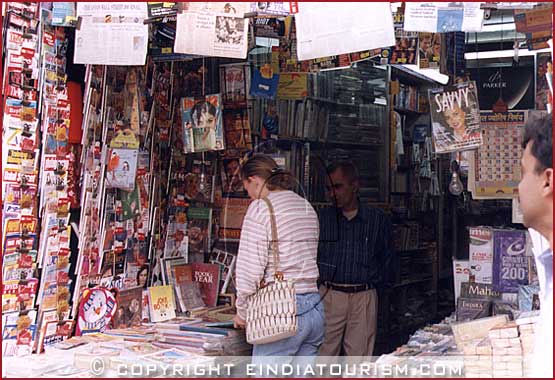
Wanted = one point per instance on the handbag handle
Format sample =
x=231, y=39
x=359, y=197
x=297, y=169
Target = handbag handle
x=274, y=245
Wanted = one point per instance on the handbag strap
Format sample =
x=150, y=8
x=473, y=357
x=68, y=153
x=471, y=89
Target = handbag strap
x=274, y=245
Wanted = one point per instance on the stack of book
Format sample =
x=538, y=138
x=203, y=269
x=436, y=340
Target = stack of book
x=478, y=359
x=527, y=332
x=507, y=351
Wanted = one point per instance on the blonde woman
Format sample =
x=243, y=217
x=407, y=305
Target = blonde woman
x=297, y=232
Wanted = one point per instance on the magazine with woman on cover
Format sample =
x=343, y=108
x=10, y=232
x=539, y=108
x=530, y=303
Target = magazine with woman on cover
x=455, y=115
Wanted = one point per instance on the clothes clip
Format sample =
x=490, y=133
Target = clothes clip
x=61, y=226
x=60, y=184
x=24, y=182
x=59, y=168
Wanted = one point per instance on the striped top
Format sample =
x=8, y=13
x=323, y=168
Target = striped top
x=297, y=230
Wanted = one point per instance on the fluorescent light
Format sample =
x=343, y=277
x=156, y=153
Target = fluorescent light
x=430, y=73
x=503, y=53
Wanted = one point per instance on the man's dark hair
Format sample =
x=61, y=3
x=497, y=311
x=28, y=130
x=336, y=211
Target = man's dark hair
x=348, y=169
x=539, y=131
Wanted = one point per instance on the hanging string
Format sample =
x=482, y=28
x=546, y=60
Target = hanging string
x=203, y=78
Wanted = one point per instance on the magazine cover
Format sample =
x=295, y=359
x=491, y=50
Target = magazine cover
x=130, y=204
x=129, y=310
x=170, y=265
x=510, y=264
x=233, y=212
x=481, y=254
x=161, y=303
x=18, y=340
x=198, y=231
x=199, y=182
x=264, y=82
x=429, y=50
x=237, y=129
x=121, y=169
x=455, y=117
x=189, y=296
x=543, y=93
x=208, y=277
x=404, y=51
x=177, y=242
x=232, y=185
x=227, y=262
x=202, y=124
x=234, y=84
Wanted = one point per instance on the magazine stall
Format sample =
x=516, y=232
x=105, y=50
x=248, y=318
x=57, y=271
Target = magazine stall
x=123, y=206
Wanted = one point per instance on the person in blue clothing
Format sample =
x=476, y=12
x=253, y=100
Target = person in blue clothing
x=354, y=258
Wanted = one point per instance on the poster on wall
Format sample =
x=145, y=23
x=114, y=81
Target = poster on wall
x=111, y=34
x=495, y=166
x=443, y=17
x=455, y=117
x=429, y=50
x=326, y=29
x=212, y=34
x=510, y=264
x=515, y=85
x=543, y=94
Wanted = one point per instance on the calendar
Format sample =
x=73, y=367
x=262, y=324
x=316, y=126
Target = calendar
x=497, y=161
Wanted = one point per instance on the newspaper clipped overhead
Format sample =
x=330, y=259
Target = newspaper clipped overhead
x=111, y=34
x=443, y=17
x=212, y=34
x=327, y=29
x=238, y=8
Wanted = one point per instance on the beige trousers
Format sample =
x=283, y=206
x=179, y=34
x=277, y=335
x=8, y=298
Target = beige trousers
x=351, y=321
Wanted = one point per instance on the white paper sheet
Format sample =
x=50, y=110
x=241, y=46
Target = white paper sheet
x=326, y=29
x=239, y=8
x=211, y=34
x=111, y=34
x=440, y=17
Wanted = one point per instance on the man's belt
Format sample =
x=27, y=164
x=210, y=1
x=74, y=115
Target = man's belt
x=346, y=288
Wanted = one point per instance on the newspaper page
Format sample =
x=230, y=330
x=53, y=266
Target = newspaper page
x=238, y=8
x=496, y=164
x=111, y=34
x=327, y=29
x=443, y=17
x=455, y=117
x=212, y=34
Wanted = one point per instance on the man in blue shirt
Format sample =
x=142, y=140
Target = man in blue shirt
x=354, y=257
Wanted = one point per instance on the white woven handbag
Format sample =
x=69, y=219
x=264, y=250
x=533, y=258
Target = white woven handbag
x=272, y=310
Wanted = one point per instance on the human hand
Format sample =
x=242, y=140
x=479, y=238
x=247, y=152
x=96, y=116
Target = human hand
x=238, y=322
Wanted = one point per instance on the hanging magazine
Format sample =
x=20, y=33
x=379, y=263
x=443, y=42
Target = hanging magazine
x=455, y=117
x=121, y=169
x=202, y=124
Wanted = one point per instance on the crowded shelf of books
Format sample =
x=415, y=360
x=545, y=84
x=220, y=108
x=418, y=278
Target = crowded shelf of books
x=125, y=128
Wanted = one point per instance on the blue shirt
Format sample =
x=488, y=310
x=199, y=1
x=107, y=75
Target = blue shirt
x=356, y=251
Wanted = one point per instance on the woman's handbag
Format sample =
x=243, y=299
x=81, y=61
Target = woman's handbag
x=272, y=310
